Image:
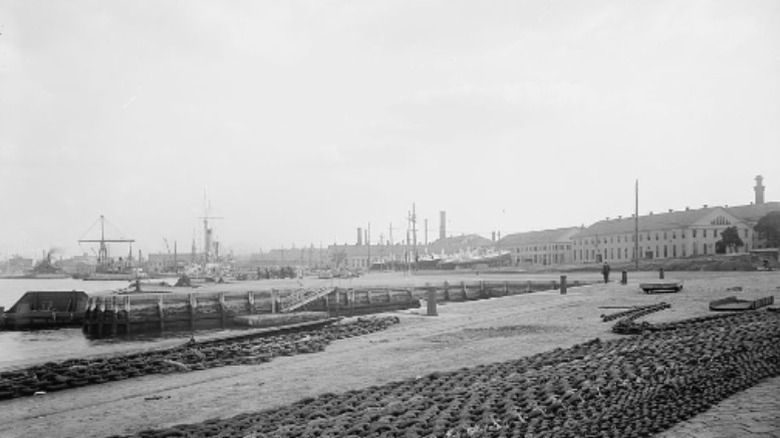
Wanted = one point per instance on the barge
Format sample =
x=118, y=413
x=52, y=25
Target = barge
x=46, y=309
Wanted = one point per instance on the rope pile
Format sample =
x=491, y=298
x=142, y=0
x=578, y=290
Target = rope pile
x=243, y=350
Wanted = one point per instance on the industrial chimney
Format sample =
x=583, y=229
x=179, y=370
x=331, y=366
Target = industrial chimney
x=759, y=188
x=442, y=225
x=359, y=236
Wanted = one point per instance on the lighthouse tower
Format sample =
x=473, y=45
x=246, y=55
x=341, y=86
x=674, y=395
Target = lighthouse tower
x=759, y=189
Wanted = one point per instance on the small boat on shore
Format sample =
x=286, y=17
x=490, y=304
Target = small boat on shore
x=45, y=309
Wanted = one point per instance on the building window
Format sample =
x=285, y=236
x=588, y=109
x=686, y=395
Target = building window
x=656, y=236
x=694, y=233
x=682, y=234
x=704, y=234
x=666, y=252
x=674, y=251
x=665, y=235
x=674, y=234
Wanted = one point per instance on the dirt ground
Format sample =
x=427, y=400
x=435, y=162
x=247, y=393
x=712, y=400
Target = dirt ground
x=462, y=335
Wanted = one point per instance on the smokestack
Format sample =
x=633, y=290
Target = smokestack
x=442, y=225
x=759, y=189
x=359, y=236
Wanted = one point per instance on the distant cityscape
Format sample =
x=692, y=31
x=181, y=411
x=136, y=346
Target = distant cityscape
x=671, y=234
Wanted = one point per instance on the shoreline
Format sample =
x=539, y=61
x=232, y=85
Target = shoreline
x=458, y=337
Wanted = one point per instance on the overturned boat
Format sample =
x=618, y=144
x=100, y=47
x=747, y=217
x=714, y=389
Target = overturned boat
x=45, y=309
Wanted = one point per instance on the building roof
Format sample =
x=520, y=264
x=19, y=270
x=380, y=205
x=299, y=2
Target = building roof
x=453, y=244
x=750, y=214
x=753, y=212
x=538, y=237
x=662, y=221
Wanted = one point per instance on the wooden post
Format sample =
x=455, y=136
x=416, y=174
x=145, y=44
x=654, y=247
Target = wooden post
x=555, y=285
x=127, y=315
x=661, y=273
x=431, y=299
x=563, y=285
x=160, y=313
x=446, y=291
x=222, y=312
x=528, y=287
x=100, y=314
x=193, y=311
x=463, y=289
x=250, y=298
x=87, y=316
x=506, y=288
x=481, y=289
x=274, y=297
x=368, y=296
x=389, y=296
x=351, y=299
x=624, y=278
x=114, y=315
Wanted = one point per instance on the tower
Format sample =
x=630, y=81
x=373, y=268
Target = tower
x=759, y=189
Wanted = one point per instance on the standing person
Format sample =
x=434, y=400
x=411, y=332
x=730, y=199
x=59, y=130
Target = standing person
x=605, y=272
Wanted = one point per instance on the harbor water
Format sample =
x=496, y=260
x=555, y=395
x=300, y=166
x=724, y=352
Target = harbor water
x=25, y=348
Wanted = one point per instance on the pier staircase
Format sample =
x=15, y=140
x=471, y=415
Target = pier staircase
x=302, y=297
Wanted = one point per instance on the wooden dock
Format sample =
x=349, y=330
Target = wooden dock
x=142, y=313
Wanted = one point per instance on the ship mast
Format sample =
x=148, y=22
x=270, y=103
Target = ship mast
x=207, y=231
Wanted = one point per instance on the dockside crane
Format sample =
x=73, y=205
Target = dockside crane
x=103, y=249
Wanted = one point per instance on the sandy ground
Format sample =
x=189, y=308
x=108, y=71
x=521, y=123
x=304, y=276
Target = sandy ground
x=462, y=335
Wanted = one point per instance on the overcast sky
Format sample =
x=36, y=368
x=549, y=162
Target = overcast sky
x=302, y=120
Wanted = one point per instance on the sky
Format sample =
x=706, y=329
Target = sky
x=296, y=122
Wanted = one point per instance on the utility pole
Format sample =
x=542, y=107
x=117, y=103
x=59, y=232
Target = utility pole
x=636, y=225
x=368, y=242
x=414, y=233
x=408, y=239
x=426, y=232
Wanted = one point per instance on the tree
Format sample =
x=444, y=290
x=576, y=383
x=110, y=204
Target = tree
x=768, y=228
x=729, y=241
